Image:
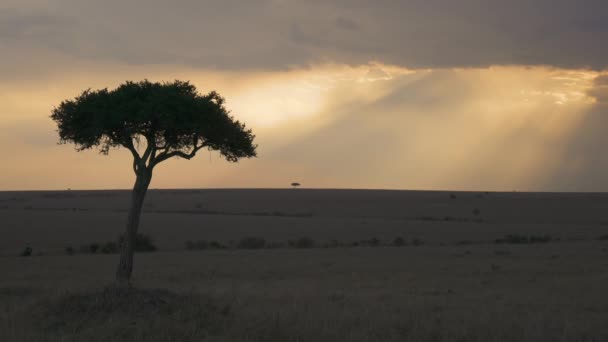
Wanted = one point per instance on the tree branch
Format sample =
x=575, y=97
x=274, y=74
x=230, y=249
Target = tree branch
x=128, y=143
x=150, y=151
x=164, y=156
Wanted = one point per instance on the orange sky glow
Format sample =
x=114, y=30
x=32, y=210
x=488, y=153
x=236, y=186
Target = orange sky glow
x=331, y=125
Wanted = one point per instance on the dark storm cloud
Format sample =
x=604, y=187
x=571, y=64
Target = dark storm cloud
x=276, y=34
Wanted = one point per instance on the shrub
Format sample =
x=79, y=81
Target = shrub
x=540, y=238
x=252, y=242
x=27, y=251
x=189, y=245
x=603, y=237
x=332, y=244
x=417, y=242
x=109, y=247
x=476, y=212
x=303, y=242
x=399, y=242
x=513, y=239
x=69, y=250
x=374, y=242
x=275, y=245
x=216, y=245
x=93, y=247
x=143, y=243
x=524, y=239
x=464, y=242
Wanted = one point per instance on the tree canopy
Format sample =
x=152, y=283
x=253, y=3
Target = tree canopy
x=173, y=118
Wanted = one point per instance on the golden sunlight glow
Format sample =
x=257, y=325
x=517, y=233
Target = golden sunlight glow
x=371, y=126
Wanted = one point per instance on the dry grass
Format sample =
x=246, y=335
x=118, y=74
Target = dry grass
x=115, y=314
x=439, y=291
x=351, y=294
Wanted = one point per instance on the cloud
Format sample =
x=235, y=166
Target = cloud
x=584, y=161
x=501, y=129
x=282, y=34
x=600, y=91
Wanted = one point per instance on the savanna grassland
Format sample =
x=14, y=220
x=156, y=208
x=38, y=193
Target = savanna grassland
x=469, y=266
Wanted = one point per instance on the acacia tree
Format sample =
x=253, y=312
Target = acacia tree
x=155, y=122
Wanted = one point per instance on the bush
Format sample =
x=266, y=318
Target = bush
x=216, y=245
x=399, y=242
x=93, y=248
x=109, y=247
x=513, y=239
x=69, y=250
x=143, y=243
x=252, y=242
x=303, y=242
x=540, y=238
x=332, y=244
x=275, y=245
x=417, y=242
x=464, y=242
x=374, y=242
x=524, y=239
x=27, y=251
x=603, y=237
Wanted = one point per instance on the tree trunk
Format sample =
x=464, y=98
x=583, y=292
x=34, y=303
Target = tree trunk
x=125, y=266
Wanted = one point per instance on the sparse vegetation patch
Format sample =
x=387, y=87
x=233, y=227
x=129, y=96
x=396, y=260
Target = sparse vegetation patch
x=27, y=251
x=252, y=242
x=131, y=314
x=524, y=239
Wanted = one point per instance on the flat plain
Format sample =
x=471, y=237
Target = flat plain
x=474, y=266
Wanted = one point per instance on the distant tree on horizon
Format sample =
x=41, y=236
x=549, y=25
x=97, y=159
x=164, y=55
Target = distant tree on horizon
x=295, y=185
x=155, y=122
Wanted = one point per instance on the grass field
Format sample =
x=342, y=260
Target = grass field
x=458, y=284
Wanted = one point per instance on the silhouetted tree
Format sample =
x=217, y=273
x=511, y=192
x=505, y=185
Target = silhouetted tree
x=295, y=185
x=155, y=122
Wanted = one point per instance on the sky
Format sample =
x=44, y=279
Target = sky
x=385, y=94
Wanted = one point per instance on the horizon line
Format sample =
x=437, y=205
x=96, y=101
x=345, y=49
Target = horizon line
x=314, y=189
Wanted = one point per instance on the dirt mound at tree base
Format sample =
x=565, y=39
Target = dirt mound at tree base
x=130, y=314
